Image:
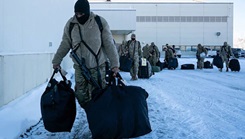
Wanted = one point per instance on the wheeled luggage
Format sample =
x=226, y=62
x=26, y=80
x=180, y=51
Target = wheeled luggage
x=234, y=65
x=187, y=67
x=118, y=111
x=208, y=65
x=145, y=69
x=172, y=63
x=218, y=62
x=58, y=107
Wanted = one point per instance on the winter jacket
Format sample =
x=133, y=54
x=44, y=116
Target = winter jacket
x=153, y=50
x=226, y=52
x=169, y=54
x=200, y=49
x=92, y=36
x=137, y=52
x=145, y=50
x=123, y=49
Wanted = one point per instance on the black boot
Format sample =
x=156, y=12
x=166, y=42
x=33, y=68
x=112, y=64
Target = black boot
x=227, y=69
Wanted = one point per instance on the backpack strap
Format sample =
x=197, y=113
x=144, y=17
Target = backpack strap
x=71, y=26
x=98, y=21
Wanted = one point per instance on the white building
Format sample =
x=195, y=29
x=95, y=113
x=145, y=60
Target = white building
x=179, y=24
x=31, y=31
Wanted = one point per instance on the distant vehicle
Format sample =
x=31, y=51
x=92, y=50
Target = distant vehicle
x=242, y=53
x=235, y=51
x=178, y=52
x=211, y=52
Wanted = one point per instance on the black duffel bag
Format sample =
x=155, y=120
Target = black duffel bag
x=125, y=63
x=218, y=62
x=58, y=107
x=119, y=111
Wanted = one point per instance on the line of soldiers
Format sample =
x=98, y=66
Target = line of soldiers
x=225, y=53
x=132, y=48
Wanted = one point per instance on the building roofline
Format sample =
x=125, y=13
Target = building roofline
x=92, y=2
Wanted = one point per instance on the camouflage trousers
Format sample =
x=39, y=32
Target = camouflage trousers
x=153, y=60
x=200, y=63
x=226, y=60
x=83, y=90
x=135, y=68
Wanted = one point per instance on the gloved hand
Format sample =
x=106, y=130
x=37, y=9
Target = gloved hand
x=115, y=70
x=56, y=66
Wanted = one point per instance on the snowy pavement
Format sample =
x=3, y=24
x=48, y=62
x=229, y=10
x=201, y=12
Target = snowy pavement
x=183, y=104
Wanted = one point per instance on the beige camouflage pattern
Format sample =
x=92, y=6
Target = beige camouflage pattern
x=200, y=60
x=135, y=55
x=225, y=53
x=154, y=54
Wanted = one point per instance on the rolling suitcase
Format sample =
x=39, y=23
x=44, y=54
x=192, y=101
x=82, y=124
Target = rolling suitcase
x=234, y=65
x=188, y=67
x=145, y=69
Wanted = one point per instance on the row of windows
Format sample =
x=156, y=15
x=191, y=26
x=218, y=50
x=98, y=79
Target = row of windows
x=181, y=18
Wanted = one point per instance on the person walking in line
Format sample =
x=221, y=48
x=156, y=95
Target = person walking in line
x=225, y=53
x=154, y=54
x=168, y=53
x=134, y=53
x=123, y=49
x=145, y=50
x=200, y=55
x=86, y=30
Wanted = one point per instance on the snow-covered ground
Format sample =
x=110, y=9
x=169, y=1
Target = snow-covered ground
x=183, y=104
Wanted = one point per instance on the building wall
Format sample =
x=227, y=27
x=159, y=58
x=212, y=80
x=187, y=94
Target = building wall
x=33, y=26
x=183, y=24
x=22, y=72
x=30, y=33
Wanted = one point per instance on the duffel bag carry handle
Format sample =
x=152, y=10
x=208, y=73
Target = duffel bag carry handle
x=116, y=80
x=54, y=72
